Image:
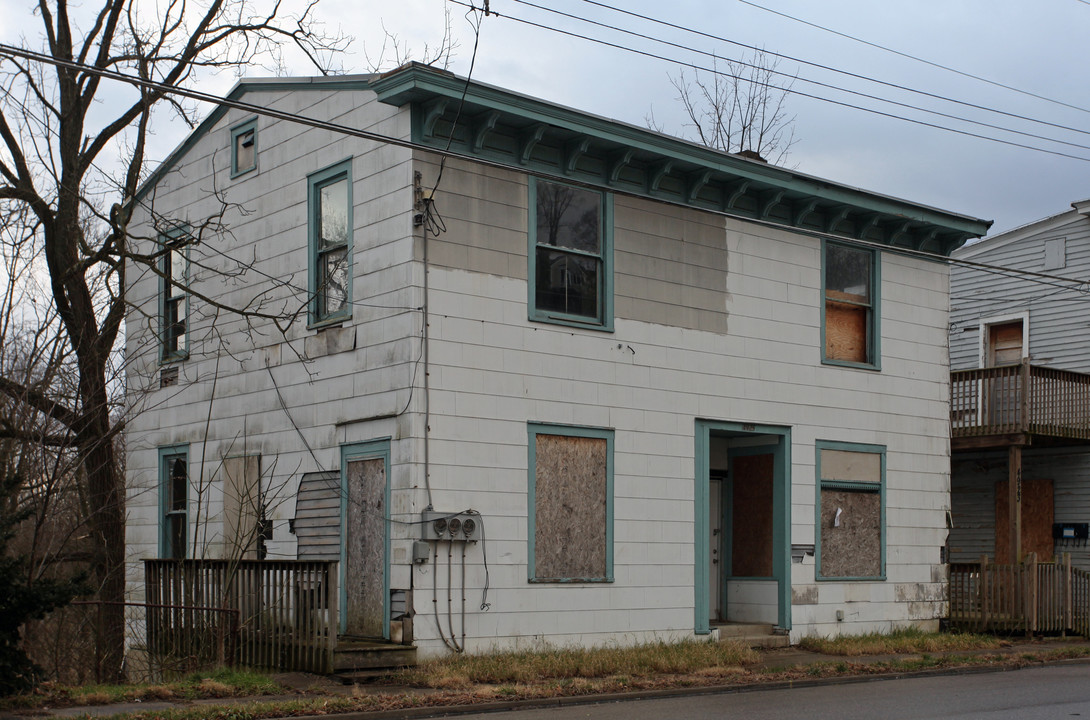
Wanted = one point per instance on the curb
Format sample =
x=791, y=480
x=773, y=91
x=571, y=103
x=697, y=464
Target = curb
x=607, y=698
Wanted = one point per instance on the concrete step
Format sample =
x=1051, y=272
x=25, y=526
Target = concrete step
x=352, y=654
x=757, y=635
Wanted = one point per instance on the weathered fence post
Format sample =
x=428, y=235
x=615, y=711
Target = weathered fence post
x=1067, y=624
x=1031, y=585
x=984, y=594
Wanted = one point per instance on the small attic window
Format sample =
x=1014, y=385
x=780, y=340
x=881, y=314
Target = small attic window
x=1055, y=254
x=244, y=148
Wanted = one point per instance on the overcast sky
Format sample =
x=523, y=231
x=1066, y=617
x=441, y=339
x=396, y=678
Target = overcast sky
x=1039, y=48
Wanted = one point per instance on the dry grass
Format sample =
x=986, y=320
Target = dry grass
x=898, y=642
x=639, y=661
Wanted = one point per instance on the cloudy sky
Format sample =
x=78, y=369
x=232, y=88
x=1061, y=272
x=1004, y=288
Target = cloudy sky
x=1038, y=49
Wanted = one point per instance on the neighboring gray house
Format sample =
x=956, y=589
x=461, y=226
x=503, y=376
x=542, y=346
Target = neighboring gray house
x=1027, y=417
x=661, y=388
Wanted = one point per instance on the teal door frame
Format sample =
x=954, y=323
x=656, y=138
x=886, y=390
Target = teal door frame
x=781, y=524
x=369, y=450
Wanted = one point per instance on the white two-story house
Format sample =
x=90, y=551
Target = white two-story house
x=531, y=375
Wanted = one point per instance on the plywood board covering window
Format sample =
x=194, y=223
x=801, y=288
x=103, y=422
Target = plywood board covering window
x=1037, y=516
x=850, y=511
x=850, y=304
x=571, y=506
x=241, y=505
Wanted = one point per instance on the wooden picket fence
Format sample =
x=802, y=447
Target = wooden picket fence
x=276, y=614
x=1030, y=597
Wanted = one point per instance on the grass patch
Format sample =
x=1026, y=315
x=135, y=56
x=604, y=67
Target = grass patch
x=222, y=683
x=639, y=661
x=907, y=640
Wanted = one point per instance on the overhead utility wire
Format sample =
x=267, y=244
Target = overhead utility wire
x=940, y=66
x=818, y=83
x=821, y=66
x=377, y=137
x=800, y=93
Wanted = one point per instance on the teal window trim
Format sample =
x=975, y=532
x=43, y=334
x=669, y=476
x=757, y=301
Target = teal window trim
x=533, y=430
x=869, y=487
x=168, y=454
x=379, y=448
x=173, y=295
x=874, y=313
x=781, y=501
x=604, y=318
x=316, y=281
x=243, y=132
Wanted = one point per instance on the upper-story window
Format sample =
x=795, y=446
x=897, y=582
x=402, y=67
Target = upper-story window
x=173, y=299
x=330, y=208
x=850, y=311
x=244, y=148
x=571, y=255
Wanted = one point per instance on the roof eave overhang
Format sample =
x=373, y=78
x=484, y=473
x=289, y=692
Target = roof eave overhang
x=556, y=141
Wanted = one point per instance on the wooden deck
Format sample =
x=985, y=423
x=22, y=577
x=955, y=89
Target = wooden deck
x=1020, y=404
x=276, y=614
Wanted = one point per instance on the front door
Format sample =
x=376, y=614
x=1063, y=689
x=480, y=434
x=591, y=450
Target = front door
x=715, y=503
x=364, y=566
x=1004, y=347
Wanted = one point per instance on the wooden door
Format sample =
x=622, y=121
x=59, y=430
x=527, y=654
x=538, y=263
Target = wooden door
x=1037, y=512
x=365, y=547
x=1004, y=344
x=715, y=585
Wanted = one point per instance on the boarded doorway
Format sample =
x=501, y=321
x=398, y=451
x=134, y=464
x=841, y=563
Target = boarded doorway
x=1037, y=513
x=364, y=471
x=743, y=521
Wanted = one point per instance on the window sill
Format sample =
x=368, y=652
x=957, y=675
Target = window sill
x=567, y=581
x=566, y=321
x=876, y=367
x=876, y=578
x=332, y=322
x=235, y=174
x=173, y=359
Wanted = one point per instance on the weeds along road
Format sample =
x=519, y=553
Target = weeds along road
x=1059, y=691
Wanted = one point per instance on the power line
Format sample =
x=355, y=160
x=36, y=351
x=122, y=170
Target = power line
x=820, y=66
x=1046, y=278
x=873, y=111
x=920, y=59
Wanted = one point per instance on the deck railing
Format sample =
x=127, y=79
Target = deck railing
x=1029, y=597
x=278, y=614
x=1020, y=398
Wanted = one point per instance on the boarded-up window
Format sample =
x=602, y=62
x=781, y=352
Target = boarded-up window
x=570, y=504
x=318, y=516
x=850, y=304
x=241, y=506
x=850, y=513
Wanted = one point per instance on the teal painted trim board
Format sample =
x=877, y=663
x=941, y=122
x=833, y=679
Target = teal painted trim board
x=781, y=501
x=316, y=277
x=167, y=455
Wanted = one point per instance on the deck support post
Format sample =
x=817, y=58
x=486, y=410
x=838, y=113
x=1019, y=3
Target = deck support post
x=1014, y=501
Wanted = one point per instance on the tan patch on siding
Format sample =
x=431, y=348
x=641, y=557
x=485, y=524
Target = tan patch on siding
x=804, y=595
x=851, y=466
x=570, y=507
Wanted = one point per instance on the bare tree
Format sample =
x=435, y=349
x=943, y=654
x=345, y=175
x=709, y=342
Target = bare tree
x=72, y=152
x=395, y=51
x=739, y=107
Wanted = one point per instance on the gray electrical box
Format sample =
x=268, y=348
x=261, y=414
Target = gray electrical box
x=453, y=526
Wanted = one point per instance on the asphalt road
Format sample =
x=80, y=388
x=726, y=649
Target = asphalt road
x=1040, y=693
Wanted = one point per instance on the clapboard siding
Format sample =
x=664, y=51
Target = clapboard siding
x=318, y=516
x=973, y=500
x=1059, y=335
